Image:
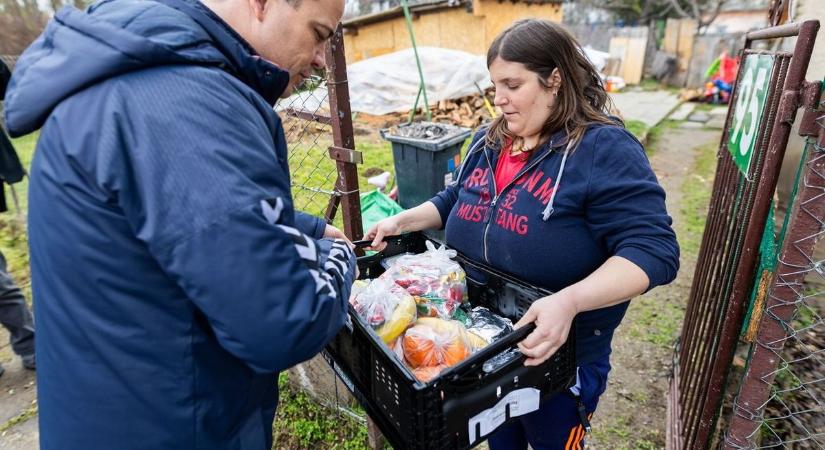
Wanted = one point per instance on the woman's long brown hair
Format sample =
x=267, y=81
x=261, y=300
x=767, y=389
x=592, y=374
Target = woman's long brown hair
x=542, y=46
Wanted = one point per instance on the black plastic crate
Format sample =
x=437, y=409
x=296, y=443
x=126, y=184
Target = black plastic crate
x=445, y=412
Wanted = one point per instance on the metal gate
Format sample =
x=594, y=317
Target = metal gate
x=767, y=94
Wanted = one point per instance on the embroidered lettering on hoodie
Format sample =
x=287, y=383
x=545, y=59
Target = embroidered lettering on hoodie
x=536, y=184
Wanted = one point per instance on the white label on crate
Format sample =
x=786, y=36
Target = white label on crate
x=521, y=401
x=448, y=178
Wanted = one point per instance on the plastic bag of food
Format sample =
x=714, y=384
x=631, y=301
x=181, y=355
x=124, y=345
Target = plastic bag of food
x=386, y=307
x=453, y=326
x=436, y=282
x=358, y=287
x=390, y=261
x=397, y=348
x=490, y=326
x=427, y=346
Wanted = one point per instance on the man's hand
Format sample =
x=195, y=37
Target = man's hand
x=331, y=232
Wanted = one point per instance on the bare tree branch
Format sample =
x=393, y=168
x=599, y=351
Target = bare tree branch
x=717, y=10
x=697, y=13
x=678, y=8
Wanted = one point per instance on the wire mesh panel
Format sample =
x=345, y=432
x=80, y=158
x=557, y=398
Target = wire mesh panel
x=309, y=135
x=781, y=402
x=749, y=159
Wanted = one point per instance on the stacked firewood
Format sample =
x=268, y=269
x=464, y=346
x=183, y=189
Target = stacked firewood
x=467, y=111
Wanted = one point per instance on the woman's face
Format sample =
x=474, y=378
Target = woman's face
x=526, y=104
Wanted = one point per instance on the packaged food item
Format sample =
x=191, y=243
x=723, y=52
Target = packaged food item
x=386, y=307
x=390, y=261
x=453, y=326
x=490, y=326
x=436, y=282
x=427, y=346
x=397, y=348
x=358, y=287
x=401, y=318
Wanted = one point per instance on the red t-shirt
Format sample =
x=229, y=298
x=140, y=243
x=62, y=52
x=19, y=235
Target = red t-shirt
x=508, y=166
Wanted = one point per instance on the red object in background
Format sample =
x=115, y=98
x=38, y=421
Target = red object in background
x=728, y=68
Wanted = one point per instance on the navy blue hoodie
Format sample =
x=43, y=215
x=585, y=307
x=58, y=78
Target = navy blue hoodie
x=172, y=278
x=563, y=217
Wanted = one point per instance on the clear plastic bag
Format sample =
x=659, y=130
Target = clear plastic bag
x=386, y=307
x=436, y=282
x=426, y=346
x=390, y=261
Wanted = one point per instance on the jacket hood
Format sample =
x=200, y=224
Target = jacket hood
x=114, y=37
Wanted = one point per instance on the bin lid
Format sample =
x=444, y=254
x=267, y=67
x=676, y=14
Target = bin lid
x=427, y=135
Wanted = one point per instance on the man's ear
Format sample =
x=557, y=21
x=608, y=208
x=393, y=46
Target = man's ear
x=258, y=8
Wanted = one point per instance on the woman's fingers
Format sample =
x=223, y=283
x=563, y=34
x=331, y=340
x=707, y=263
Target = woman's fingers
x=544, y=356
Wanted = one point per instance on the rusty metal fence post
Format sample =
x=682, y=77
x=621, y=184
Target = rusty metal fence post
x=738, y=211
x=343, y=148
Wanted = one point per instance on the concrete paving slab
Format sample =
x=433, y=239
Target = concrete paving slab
x=716, y=121
x=683, y=111
x=692, y=125
x=649, y=107
x=699, y=116
x=719, y=111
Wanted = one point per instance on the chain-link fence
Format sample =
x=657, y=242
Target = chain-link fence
x=308, y=129
x=781, y=402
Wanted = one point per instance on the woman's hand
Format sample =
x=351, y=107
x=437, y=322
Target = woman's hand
x=387, y=227
x=553, y=316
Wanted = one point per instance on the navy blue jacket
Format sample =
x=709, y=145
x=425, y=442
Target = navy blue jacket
x=172, y=278
x=607, y=202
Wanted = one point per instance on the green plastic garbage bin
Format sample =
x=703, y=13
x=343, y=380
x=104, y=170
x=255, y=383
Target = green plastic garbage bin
x=426, y=156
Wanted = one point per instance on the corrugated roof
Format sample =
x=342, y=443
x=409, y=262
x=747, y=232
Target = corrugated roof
x=421, y=7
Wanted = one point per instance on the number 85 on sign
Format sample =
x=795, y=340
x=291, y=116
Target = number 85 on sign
x=749, y=109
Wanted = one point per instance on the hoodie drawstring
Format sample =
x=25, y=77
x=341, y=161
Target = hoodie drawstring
x=548, y=211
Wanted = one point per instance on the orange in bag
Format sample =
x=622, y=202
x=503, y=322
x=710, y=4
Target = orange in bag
x=425, y=346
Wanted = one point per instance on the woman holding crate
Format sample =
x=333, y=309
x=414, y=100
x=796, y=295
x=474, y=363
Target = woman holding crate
x=596, y=239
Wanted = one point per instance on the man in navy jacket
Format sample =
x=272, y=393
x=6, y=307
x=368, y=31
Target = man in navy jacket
x=172, y=278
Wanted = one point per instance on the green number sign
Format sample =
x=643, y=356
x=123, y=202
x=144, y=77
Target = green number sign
x=749, y=109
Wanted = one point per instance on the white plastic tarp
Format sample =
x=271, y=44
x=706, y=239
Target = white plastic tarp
x=389, y=83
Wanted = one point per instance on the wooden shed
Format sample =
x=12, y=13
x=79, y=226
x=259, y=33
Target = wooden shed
x=467, y=25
